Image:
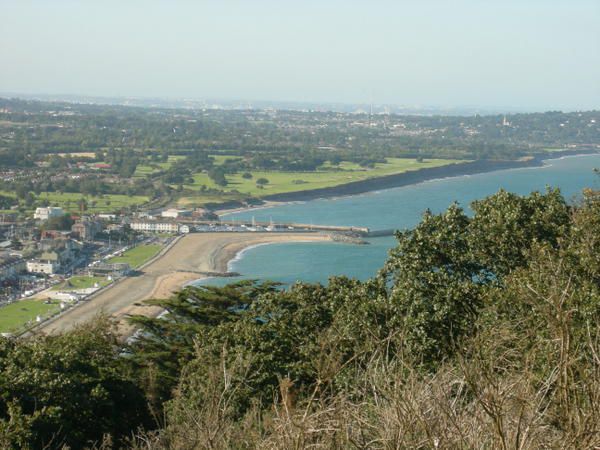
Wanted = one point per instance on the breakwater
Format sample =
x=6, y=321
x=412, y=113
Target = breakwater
x=426, y=174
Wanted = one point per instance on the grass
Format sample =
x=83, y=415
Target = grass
x=143, y=170
x=16, y=315
x=80, y=282
x=220, y=159
x=200, y=199
x=326, y=176
x=137, y=256
x=100, y=204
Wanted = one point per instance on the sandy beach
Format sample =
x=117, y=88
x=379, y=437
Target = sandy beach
x=192, y=257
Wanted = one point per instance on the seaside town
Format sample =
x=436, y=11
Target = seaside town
x=92, y=194
x=41, y=259
x=248, y=225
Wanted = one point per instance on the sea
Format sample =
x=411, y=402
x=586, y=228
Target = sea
x=397, y=208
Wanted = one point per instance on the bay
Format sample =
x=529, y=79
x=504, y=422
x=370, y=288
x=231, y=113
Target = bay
x=397, y=208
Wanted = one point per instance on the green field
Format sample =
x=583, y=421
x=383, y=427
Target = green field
x=203, y=199
x=100, y=204
x=80, y=282
x=137, y=255
x=144, y=170
x=220, y=159
x=326, y=176
x=16, y=315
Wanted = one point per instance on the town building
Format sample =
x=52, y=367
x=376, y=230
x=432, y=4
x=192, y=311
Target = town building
x=86, y=229
x=55, y=234
x=114, y=226
x=175, y=213
x=151, y=226
x=48, y=213
x=109, y=217
x=11, y=266
x=55, y=257
x=39, y=266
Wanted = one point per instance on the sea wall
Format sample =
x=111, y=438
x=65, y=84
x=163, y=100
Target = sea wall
x=418, y=176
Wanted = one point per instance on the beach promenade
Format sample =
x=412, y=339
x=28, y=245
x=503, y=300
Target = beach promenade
x=192, y=257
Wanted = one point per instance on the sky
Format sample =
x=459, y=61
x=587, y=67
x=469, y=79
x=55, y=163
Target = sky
x=528, y=54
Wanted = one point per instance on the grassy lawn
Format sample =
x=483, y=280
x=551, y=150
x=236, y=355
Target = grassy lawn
x=100, y=204
x=220, y=159
x=16, y=315
x=80, y=282
x=144, y=170
x=200, y=199
x=326, y=176
x=137, y=255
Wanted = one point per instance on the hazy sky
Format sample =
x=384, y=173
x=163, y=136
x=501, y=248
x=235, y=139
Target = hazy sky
x=537, y=54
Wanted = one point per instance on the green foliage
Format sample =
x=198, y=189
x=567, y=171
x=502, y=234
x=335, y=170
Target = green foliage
x=440, y=269
x=506, y=225
x=66, y=390
x=479, y=332
x=6, y=202
x=194, y=316
x=435, y=284
x=218, y=176
x=64, y=223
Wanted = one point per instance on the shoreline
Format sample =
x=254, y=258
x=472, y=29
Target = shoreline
x=206, y=255
x=193, y=257
x=407, y=179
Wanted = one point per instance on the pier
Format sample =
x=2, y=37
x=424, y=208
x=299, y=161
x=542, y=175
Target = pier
x=253, y=225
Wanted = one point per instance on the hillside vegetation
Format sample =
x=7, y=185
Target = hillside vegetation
x=480, y=331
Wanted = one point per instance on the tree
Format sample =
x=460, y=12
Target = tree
x=64, y=222
x=217, y=174
x=75, y=391
x=506, y=225
x=194, y=315
x=262, y=181
x=435, y=285
x=82, y=205
x=247, y=175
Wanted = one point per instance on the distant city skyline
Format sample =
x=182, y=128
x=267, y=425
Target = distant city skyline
x=239, y=104
x=528, y=55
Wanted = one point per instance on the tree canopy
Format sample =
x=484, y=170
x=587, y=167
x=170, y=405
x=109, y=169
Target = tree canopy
x=480, y=331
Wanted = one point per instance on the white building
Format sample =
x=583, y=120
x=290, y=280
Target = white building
x=47, y=267
x=107, y=216
x=48, y=213
x=175, y=213
x=154, y=227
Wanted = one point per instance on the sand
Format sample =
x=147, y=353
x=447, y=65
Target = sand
x=192, y=257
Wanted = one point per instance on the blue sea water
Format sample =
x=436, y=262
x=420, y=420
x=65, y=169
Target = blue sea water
x=397, y=208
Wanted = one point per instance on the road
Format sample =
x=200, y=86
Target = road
x=185, y=261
